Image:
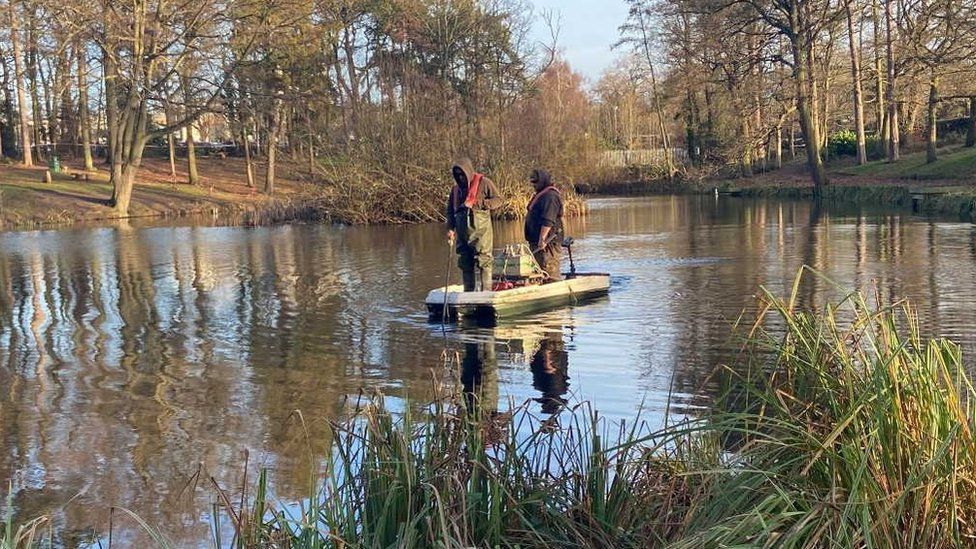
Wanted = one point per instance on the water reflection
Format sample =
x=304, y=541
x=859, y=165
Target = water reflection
x=131, y=358
x=479, y=376
x=550, y=373
x=540, y=348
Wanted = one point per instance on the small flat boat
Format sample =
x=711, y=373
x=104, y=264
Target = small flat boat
x=573, y=288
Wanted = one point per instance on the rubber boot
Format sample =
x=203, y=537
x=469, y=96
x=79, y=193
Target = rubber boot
x=485, y=279
x=467, y=279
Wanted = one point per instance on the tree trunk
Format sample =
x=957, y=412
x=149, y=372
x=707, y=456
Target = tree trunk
x=911, y=110
x=170, y=138
x=25, y=133
x=248, y=163
x=893, y=142
x=61, y=108
x=110, y=76
x=273, y=133
x=7, y=132
x=692, y=125
x=171, y=144
x=745, y=163
x=805, y=106
x=862, y=155
x=191, y=157
x=881, y=121
x=821, y=95
x=34, y=88
x=191, y=145
x=971, y=129
x=761, y=139
x=127, y=153
x=778, y=150
x=122, y=193
x=311, y=144
x=792, y=139
x=269, y=176
x=84, y=120
x=931, y=154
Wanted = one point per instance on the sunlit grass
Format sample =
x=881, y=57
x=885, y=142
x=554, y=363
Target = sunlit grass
x=953, y=163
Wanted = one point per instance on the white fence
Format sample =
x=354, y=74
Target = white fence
x=641, y=157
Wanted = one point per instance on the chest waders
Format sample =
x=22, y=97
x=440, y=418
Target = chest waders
x=474, y=244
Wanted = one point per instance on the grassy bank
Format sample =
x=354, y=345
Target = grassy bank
x=882, y=195
x=947, y=186
x=27, y=201
x=954, y=164
x=844, y=427
x=343, y=193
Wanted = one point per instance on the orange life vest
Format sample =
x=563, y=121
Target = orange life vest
x=539, y=194
x=472, y=197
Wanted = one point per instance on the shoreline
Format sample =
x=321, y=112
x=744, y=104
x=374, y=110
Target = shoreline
x=27, y=203
x=76, y=198
x=947, y=187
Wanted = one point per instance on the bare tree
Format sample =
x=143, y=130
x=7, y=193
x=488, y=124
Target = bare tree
x=145, y=45
x=894, y=147
x=862, y=155
x=84, y=120
x=803, y=23
x=938, y=36
x=25, y=135
x=637, y=32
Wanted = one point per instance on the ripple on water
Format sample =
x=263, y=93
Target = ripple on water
x=136, y=356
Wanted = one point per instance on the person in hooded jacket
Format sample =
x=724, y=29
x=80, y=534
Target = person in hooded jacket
x=469, y=208
x=544, y=223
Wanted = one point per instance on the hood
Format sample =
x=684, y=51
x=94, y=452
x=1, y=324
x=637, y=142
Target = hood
x=467, y=167
x=542, y=176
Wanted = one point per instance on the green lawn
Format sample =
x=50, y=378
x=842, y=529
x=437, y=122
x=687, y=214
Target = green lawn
x=953, y=163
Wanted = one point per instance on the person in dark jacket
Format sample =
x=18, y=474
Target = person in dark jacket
x=469, y=224
x=550, y=373
x=544, y=223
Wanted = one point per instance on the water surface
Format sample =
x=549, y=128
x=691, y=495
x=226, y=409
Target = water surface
x=135, y=363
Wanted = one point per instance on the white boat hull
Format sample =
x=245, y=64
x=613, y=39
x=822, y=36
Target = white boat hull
x=493, y=305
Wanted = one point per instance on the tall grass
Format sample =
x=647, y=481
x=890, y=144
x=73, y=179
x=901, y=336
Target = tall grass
x=838, y=427
x=23, y=535
x=855, y=431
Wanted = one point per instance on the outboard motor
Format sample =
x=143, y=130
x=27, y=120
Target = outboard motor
x=568, y=244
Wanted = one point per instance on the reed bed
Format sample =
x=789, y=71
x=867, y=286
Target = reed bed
x=358, y=192
x=838, y=427
x=27, y=534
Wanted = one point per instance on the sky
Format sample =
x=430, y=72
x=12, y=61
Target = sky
x=588, y=29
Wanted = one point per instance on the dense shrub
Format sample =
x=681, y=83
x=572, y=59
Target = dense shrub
x=844, y=143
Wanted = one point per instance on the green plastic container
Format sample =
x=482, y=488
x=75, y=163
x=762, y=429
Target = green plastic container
x=515, y=261
x=54, y=164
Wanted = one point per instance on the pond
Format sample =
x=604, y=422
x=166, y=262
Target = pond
x=136, y=363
